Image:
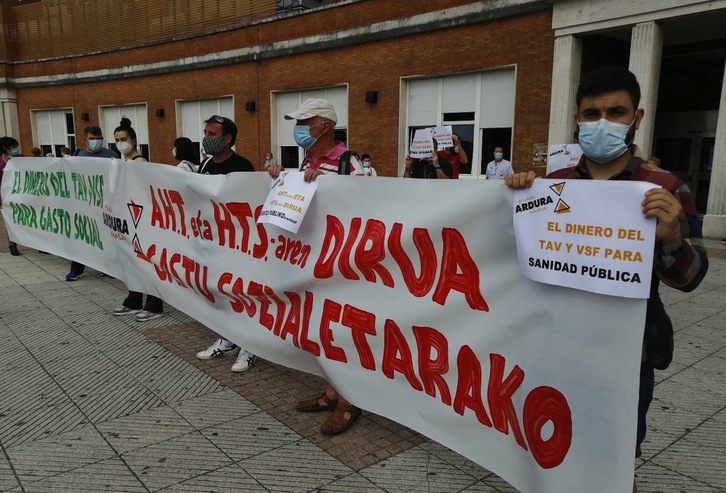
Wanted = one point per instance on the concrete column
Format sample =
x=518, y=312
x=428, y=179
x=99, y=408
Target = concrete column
x=714, y=222
x=646, y=47
x=565, y=77
x=9, y=114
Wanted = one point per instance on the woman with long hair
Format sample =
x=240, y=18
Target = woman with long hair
x=126, y=143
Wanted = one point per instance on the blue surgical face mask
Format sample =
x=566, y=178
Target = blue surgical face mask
x=603, y=141
x=95, y=145
x=498, y=156
x=303, y=137
x=14, y=151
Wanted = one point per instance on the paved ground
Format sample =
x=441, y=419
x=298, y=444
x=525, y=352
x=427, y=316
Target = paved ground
x=93, y=403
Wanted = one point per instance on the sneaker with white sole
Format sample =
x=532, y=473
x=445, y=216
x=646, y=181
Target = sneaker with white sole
x=220, y=347
x=125, y=310
x=145, y=316
x=245, y=361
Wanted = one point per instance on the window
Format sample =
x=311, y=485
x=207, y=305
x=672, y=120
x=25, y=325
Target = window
x=478, y=106
x=111, y=119
x=53, y=129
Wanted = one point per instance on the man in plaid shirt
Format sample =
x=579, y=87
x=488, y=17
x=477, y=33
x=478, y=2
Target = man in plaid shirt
x=607, y=117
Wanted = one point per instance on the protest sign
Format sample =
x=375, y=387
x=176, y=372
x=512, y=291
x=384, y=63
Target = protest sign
x=423, y=144
x=288, y=201
x=563, y=156
x=559, y=241
x=418, y=313
x=443, y=136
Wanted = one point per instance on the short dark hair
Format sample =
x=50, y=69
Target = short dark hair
x=227, y=124
x=609, y=79
x=7, y=143
x=92, y=130
x=186, y=151
x=125, y=126
x=364, y=156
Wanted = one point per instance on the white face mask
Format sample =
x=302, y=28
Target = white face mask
x=124, y=147
x=173, y=152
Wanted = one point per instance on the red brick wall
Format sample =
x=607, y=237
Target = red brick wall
x=525, y=41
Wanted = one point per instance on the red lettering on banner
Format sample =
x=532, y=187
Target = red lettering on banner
x=545, y=404
x=196, y=274
x=292, y=322
x=397, y=355
x=456, y=257
x=331, y=313
x=419, y=285
x=368, y=259
x=162, y=210
x=493, y=403
x=468, y=390
x=361, y=323
x=499, y=396
x=305, y=343
x=458, y=270
x=255, y=290
x=431, y=368
x=259, y=250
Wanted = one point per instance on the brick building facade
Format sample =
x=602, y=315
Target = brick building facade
x=353, y=46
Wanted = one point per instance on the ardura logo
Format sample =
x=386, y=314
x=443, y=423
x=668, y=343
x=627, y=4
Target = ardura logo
x=136, y=212
x=537, y=204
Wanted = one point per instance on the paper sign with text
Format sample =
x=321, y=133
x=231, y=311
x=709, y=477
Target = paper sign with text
x=560, y=241
x=443, y=136
x=419, y=314
x=423, y=144
x=288, y=201
x=563, y=156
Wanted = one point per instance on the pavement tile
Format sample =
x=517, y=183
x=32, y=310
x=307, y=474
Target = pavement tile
x=249, y=436
x=60, y=453
x=296, y=467
x=652, y=478
x=172, y=461
x=214, y=408
x=417, y=470
x=109, y=476
x=7, y=476
x=353, y=483
x=144, y=428
x=229, y=479
x=692, y=460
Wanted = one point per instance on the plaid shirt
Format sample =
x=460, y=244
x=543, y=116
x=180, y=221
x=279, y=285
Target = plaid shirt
x=681, y=264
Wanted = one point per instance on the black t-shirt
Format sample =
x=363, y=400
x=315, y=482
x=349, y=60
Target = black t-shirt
x=232, y=164
x=422, y=168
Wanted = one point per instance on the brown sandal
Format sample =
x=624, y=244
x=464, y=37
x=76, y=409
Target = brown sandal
x=314, y=405
x=341, y=419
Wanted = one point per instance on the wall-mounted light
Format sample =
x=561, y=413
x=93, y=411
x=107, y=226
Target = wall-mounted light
x=250, y=106
x=372, y=97
x=85, y=117
x=159, y=112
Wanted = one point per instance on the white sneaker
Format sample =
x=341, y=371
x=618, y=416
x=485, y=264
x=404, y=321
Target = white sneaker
x=245, y=361
x=145, y=316
x=124, y=310
x=219, y=348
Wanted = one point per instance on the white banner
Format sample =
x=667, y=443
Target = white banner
x=415, y=309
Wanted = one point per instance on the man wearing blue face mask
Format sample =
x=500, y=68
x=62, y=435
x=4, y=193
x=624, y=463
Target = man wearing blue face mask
x=93, y=136
x=94, y=144
x=500, y=167
x=314, y=131
x=608, y=117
